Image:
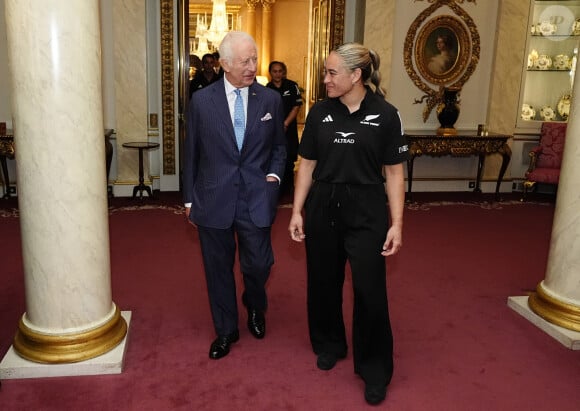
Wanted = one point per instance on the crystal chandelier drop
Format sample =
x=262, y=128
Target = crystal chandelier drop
x=201, y=47
x=219, y=23
x=218, y=28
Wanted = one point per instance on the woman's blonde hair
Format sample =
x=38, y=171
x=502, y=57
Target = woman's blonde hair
x=355, y=56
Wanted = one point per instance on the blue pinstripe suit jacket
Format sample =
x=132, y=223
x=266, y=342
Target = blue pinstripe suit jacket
x=213, y=165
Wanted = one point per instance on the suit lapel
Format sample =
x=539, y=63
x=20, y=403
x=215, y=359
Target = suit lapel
x=254, y=104
x=222, y=110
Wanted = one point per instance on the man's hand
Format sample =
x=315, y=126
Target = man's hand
x=187, y=212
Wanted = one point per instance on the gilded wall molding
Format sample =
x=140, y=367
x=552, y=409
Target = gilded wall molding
x=337, y=37
x=167, y=87
x=327, y=34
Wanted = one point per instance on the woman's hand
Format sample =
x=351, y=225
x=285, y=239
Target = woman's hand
x=393, y=242
x=296, y=228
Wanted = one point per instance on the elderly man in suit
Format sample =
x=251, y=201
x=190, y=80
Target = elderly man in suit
x=235, y=154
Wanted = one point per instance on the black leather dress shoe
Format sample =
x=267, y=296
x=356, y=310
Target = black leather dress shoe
x=221, y=345
x=375, y=394
x=256, y=323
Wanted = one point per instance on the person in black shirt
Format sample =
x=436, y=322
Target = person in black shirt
x=205, y=76
x=292, y=101
x=217, y=67
x=350, y=143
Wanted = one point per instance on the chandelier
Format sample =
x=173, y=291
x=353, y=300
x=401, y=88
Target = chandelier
x=201, y=47
x=218, y=28
x=219, y=23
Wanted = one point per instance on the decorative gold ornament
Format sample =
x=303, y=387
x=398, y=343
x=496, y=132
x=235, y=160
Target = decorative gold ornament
x=251, y=4
x=167, y=87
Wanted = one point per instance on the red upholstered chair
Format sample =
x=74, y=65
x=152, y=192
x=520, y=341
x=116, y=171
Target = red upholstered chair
x=546, y=157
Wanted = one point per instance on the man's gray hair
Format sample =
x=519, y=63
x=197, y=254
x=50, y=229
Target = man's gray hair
x=226, y=48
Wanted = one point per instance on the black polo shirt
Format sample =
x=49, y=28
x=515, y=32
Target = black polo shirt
x=290, y=94
x=352, y=147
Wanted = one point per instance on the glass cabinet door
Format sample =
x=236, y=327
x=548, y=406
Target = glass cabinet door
x=552, y=49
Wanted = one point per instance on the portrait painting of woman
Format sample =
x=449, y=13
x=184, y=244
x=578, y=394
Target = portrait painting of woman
x=441, y=51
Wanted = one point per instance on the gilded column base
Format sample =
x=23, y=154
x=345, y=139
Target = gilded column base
x=70, y=348
x=554, y=311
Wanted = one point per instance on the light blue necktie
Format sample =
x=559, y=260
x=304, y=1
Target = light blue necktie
x=239, y=122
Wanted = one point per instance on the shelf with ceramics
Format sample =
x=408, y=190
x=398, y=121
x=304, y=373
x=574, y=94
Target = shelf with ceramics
x=559, y=112
x=552, y=45
x=559, y=63
x=548, y=28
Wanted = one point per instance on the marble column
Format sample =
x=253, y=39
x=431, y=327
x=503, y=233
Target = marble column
x=266, y=35
x=555, y=306
x=251, y=17
x=55, y=68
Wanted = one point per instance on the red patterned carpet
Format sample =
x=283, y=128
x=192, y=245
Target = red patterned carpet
x=457, y=344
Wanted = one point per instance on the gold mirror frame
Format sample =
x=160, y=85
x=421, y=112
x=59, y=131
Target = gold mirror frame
x=327, y=34
x=468, y=50
x=334, y=28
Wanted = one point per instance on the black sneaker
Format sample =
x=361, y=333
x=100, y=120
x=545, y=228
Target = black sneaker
x=375, y=394
x=326, y=361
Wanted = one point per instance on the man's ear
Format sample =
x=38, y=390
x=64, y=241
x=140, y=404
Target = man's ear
x=225, y=65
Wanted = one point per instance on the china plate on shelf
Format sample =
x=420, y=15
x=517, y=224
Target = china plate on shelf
x=543, y=62
x=575, y=28
x=547, y=113
x=528, y=112
x=532, y=58
x=563, y=107
x=562, y=62
x=545, y=28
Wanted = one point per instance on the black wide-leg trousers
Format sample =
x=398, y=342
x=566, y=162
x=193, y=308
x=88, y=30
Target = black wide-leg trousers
x=349, y=222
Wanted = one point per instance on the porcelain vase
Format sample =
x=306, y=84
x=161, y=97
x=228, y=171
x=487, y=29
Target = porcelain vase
x=448, y=111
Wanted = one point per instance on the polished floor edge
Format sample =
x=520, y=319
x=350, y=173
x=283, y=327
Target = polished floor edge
x=15, y=367
x=570, y=339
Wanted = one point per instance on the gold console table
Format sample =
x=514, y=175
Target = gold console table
x=460, y=145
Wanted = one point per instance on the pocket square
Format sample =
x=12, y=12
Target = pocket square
x=267, y=117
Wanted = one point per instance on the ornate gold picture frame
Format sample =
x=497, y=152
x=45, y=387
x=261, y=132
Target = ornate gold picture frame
x=442, y=50
x=430, y=71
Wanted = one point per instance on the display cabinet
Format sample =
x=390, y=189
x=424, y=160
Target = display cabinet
x=552, y=49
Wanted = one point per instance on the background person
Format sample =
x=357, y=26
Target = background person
x=349, y=141
x=292, y=101
x=231, y=187
x=205, y=76
x=217, y=66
